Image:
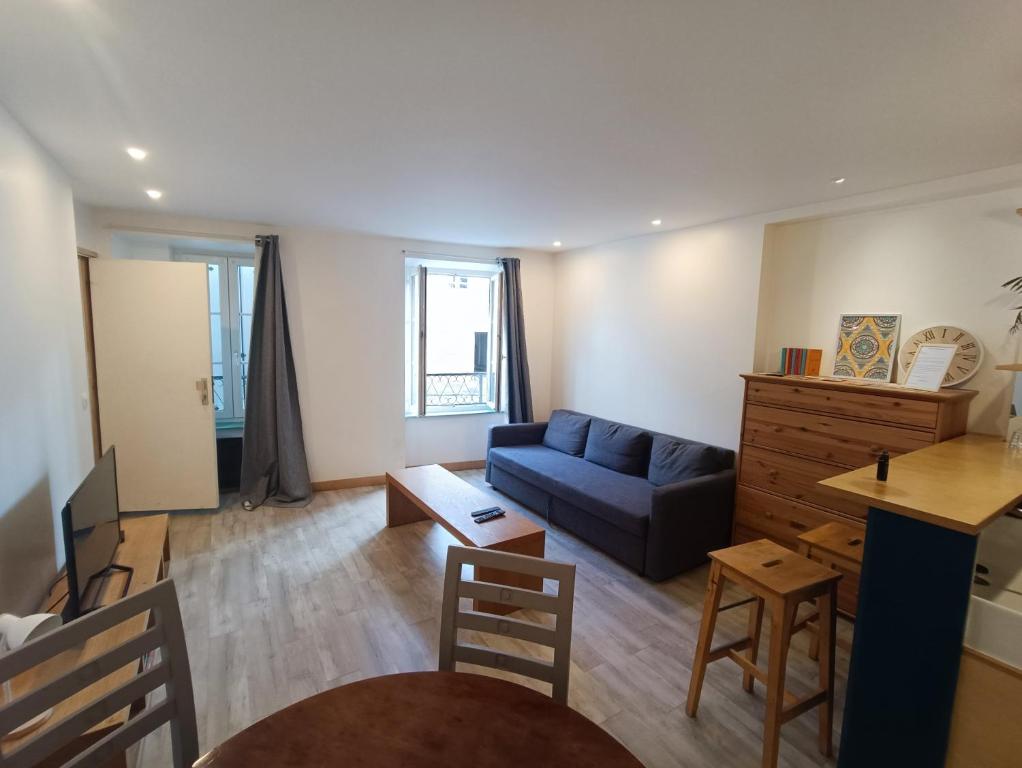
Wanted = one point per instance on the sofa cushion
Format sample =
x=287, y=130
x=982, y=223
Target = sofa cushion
x=672, y=461
x=618, y=447
x=567, y=432
x=621, y=500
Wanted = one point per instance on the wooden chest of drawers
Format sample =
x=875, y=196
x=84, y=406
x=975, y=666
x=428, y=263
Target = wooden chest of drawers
x=799, y=430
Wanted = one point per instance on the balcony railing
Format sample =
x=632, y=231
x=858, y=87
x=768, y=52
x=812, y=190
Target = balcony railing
x=218, y=393
x=218, y=389
x=455, y=389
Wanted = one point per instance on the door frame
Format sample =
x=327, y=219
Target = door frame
x=84, y=280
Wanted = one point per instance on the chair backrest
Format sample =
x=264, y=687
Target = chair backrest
x=560, y=605
x=163, y=631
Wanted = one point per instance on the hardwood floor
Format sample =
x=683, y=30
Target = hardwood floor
x=279, y=604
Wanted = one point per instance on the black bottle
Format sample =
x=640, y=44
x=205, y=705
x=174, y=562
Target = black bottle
x=882, y=464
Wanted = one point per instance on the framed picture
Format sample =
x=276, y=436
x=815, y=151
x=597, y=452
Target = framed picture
x=866, y=346
x=929, y=366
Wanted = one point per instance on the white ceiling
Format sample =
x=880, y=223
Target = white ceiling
x=511, y=123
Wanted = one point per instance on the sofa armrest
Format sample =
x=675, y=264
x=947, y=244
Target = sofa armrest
x=687, y=520
x=503, y=435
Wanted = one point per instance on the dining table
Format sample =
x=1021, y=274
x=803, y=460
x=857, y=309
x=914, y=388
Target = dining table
x=448, y=719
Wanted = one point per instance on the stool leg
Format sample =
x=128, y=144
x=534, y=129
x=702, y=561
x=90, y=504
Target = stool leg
x=714, y=590
x=814, y=644
x=755, y=627
x=826, y=639
x=781, y=614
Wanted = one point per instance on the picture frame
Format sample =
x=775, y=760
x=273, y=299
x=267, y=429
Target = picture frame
x=929, y=366
x=867, y=346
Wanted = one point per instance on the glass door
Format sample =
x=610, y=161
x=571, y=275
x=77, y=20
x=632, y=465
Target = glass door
x=242, y=301
x=231, y=280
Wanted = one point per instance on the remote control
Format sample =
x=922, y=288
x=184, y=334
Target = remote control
x=490, y=516
x=479, y=512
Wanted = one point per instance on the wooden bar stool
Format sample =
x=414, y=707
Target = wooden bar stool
x=781, y=579
x=834, y=545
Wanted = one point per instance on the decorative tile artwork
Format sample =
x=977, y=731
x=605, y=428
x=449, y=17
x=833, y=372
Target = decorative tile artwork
x=866, y=345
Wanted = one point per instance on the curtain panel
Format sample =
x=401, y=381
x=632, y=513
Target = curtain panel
x=274, y=470
x=519, y=390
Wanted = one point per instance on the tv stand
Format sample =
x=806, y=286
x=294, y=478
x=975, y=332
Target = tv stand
x=141, y=561
x=96, y=595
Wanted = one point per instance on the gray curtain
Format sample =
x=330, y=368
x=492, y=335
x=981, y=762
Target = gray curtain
x=273, y=466
x=519, y=391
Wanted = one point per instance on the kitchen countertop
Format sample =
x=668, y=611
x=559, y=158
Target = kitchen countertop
x=963, y=484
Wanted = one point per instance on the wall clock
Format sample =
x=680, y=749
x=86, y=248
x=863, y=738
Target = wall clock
x=966, y=362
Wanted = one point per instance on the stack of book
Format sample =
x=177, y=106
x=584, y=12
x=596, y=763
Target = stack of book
x=800, y=361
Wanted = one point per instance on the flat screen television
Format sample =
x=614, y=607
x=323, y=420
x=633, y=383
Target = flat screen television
x=92, y=530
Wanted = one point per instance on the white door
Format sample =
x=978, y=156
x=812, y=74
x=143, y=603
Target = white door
x=151, y=325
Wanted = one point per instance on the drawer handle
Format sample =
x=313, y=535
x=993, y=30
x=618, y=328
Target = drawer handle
x=797, y=525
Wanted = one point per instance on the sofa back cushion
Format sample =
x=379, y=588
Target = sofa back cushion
x=566, y=432
x=618, y=447
x=672, y=461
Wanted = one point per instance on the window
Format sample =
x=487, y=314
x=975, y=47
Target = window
x=231, y=296
x=452, y=337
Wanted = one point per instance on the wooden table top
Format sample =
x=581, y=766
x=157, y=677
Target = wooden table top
x=428, y=719
x=450, y=501
x=144, y=548
x=962, y=484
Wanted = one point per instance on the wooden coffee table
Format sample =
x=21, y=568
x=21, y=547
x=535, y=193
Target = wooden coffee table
x=431, y=492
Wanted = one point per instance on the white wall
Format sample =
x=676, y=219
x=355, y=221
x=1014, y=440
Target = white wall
x=652, y=330
x=655, y=330
x=45, y=437
x=439, y=439
x=346, y=308
x=142, y=251
x=936, y=263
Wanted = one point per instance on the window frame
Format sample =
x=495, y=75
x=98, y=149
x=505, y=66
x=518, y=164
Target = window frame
x=417, y=273
x=231, y=327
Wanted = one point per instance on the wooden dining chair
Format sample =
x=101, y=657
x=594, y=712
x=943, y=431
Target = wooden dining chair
x=59, y=739
x=478, y=619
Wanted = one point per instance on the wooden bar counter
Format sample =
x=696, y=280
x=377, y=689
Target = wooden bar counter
x=914, y=593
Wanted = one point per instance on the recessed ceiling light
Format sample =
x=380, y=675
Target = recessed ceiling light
x=838, y=180
x=154, y=194
x=656, y=222
x=557, y=243
x=136, y=153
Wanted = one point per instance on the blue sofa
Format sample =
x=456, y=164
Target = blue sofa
x=655, y=502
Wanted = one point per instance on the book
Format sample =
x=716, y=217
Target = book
x=800, y=361
x=813, y=362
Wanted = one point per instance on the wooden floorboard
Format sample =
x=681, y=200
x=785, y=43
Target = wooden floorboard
x=279, y=604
